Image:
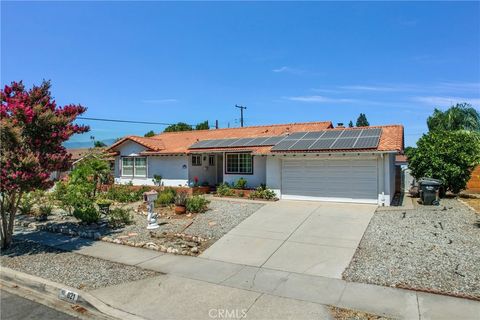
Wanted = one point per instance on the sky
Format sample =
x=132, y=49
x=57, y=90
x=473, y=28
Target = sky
x=286, y=62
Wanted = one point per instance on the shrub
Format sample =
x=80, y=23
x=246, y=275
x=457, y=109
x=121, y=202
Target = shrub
x=124, y=193
x=26, y=204
x=225, y=190
x=241, y=184
x=165, y=198
x=45, y=210
x=86, y=212
x=119, y=217
x=263, y=193
x=197, y=204
x=181, y=199
x=157, y=179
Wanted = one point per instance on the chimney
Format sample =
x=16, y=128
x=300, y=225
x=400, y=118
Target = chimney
x=340, y=125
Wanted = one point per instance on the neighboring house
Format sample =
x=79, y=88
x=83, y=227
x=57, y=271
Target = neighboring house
x=77, y=154
x=306, y=161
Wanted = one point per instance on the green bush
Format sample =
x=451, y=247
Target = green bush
x=26, y=204
x=225, y=190
x=45, y=210
x=181, y=199
x=86, y=212
x=197, y=204
x=119, y=216
x=165, y=198
x=241, y=184
x=263, y=193
x=125, y=194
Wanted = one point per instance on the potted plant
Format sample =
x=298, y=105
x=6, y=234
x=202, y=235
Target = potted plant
x=181, y=202
x=157, y=180
x=104, y=205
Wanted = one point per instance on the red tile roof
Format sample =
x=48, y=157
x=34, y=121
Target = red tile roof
x=391, y=138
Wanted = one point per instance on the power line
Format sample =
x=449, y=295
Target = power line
x=241, y=113
x=126, y=121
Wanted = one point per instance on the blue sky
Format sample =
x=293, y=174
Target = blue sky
x=287, y=62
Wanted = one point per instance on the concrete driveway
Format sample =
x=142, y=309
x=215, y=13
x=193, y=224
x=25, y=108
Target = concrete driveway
x=315, y=238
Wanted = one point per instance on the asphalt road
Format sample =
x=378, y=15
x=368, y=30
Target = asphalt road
x=17, y=308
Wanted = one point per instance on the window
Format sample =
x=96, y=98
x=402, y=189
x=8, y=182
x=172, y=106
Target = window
x=196, y=160
x=134, y=167
x=239, y=163
x=211, y=160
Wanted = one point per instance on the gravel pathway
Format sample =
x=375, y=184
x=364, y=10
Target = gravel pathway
x=72, y=269
x=426, y=248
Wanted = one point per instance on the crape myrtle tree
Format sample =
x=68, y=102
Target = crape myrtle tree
x=32, y=130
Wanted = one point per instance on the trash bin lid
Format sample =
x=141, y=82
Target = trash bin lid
x=430, y=181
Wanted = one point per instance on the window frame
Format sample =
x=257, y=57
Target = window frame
x=210, y=162
x=199, y=163
x=134, y=169
x=227, y=154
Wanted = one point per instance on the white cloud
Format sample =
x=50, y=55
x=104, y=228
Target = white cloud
x=438, y=101
x=319, y=99
x=371, y=88
x=286, y=69
x=159, y=101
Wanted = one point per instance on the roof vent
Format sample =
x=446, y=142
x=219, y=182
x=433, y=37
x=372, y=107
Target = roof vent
x=340, y=125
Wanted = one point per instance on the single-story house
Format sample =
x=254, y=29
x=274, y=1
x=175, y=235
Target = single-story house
x=304, y=161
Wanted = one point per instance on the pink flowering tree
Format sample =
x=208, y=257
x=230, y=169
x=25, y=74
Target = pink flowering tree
x=32, y=130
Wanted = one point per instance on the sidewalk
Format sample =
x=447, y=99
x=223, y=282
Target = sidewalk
x=193, y=286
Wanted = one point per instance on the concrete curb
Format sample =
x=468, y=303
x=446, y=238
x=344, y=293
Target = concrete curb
x=49, y=290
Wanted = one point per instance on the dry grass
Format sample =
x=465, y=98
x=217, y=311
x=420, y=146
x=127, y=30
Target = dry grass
x=474, y=203
x=347, y=314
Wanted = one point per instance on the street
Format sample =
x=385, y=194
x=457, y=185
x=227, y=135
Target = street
x=14, y=307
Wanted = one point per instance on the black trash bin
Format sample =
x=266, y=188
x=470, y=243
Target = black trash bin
x=430, y=191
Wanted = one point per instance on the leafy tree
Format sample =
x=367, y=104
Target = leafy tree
x=446, y=155
x=149, y=134
x=362, y=120
x=181, y=126
x=461, y=116
x=99, y=144
x=202, y=126
x=350, y=124
x=32, y=131
x=92, y=170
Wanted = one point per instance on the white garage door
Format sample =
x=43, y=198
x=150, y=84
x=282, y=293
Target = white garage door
x=334, y=180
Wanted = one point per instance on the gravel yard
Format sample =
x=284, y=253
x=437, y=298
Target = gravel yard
x=187, y=234
x=429, y=247
x=72, y=269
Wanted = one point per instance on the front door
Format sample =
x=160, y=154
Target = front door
x=219, y=168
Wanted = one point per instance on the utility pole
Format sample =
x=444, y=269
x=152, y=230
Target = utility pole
x=241, y=113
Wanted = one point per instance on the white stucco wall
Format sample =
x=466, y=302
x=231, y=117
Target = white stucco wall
x=274, y=174
x=253, y=180
x=173, y=169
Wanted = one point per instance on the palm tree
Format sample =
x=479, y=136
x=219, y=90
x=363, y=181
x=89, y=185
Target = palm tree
x=462, y=116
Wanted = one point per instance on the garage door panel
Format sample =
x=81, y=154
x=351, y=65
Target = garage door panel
x=353, y=179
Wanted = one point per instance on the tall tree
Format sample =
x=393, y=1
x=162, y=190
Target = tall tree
x=181, y=126
x=362, y=120
x=99, y=144
x=202, y=126
x=32, y=131
x=350, y=124
x=149, y=134
x=461, y=116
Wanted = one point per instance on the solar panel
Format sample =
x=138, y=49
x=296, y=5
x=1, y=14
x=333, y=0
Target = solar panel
x=256, y=142
x=220, y=143
x=199, y=144
x=343, y=143
x=367, y=142
x=273, y=141
x=322, y=144
x=371, y=132
x=313, y=135
x=302, y=144
x=332, y=134
x=351, y=133
x=284, y=145
x=240, y=142
x=296, y=135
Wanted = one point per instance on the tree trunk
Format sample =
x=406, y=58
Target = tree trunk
x=9, y=206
